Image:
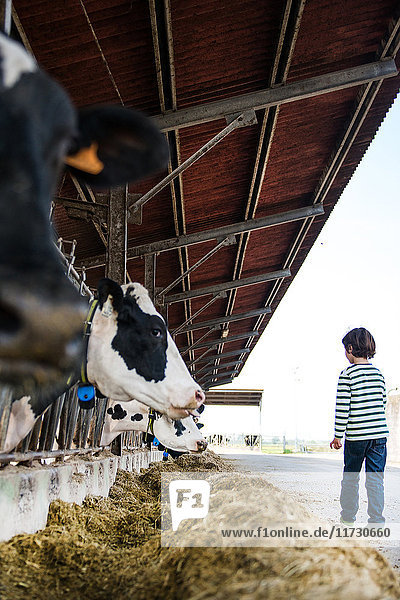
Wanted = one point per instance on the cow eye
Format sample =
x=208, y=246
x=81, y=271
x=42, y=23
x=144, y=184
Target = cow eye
x=156, y=332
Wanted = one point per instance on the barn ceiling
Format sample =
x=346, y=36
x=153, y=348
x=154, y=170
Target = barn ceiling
x=283, y=98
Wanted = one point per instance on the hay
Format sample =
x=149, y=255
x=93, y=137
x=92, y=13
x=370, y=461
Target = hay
x=110, y=548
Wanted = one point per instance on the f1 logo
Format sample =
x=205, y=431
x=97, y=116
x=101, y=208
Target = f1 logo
x=189, y=499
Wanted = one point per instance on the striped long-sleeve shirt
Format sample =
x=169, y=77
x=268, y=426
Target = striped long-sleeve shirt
x=361, y=404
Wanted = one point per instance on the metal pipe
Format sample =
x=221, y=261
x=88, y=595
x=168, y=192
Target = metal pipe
x=290, y=92
x=229, y=285
x=240, y=121
x=19, y=456
x=6, y=397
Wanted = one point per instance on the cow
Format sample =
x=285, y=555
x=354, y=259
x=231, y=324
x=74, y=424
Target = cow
x=176, y=435
x=41, y=313
x=130, y=355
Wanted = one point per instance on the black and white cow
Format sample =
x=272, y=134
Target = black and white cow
x=130, y=355
x=177, y=435
x=41, y=314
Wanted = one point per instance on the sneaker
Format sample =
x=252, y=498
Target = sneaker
x=347, y=523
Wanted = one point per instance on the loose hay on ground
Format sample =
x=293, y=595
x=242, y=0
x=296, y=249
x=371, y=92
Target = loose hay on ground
x=110, y=548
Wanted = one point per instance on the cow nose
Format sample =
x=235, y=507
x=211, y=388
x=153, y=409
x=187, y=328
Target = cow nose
x=38, y=334
x=201, y=446
x=200, y=397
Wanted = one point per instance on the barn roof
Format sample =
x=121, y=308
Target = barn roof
x=295, y=89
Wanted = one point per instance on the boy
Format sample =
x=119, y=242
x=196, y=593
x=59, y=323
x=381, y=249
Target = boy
x=360, y=414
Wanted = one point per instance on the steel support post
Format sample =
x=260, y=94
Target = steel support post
x=117, y=235
x=5, y=16
x=150, y=274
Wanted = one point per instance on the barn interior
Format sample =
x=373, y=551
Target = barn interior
x=268, y=107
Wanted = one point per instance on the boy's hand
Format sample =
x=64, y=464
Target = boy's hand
x=336, y=443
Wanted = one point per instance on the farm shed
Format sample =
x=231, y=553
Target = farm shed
x=271, y=104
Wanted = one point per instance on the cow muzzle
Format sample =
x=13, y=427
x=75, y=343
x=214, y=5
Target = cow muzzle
x=178, y=411
x=201, y=445
x=40, y=339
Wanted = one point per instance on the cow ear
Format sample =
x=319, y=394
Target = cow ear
x=108, y=291
x=116, y=145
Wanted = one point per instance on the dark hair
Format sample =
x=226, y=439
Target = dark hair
x=361, y=341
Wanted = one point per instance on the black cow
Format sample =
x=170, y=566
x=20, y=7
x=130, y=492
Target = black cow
x=41, y=314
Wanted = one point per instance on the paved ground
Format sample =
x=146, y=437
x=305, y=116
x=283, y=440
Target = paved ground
x=298, y=474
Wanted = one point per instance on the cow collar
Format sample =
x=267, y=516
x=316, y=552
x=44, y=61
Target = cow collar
x=150, y=423
x=86, y=392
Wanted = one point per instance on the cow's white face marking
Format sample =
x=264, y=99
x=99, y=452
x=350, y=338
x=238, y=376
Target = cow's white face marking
x=107, y=309
x=22, y=419
x=164, y=428
x=14, y=61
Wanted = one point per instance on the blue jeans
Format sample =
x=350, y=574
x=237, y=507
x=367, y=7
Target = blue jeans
x=374, y=453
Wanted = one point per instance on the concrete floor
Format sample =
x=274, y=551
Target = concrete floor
x=298, y=474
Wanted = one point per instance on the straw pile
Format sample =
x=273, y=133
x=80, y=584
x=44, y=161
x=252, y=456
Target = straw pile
x=110, y=548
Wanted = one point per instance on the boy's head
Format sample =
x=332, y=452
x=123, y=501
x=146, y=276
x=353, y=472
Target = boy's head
x=360, y=343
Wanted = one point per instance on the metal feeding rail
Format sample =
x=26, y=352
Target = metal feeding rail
x=64, y=429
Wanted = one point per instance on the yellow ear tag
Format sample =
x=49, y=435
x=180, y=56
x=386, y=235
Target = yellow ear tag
x=86, y=159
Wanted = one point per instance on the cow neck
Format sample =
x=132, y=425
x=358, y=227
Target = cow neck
x=87, y=329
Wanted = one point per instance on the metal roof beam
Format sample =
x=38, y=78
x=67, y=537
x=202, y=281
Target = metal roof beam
x=291, y=92
x=232, y=338
x=216, y=383
x=222, y=320
x=216, y=377
x=230, y=285
x=228, y=230
x=211, y=234
x=221, y=355
x=209, y=369
x=198, y=312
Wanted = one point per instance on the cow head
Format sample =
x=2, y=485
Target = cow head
x=132, y=355
x=41, y=313
x=178, y=435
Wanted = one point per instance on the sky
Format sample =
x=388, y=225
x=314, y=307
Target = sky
x=351, y=278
